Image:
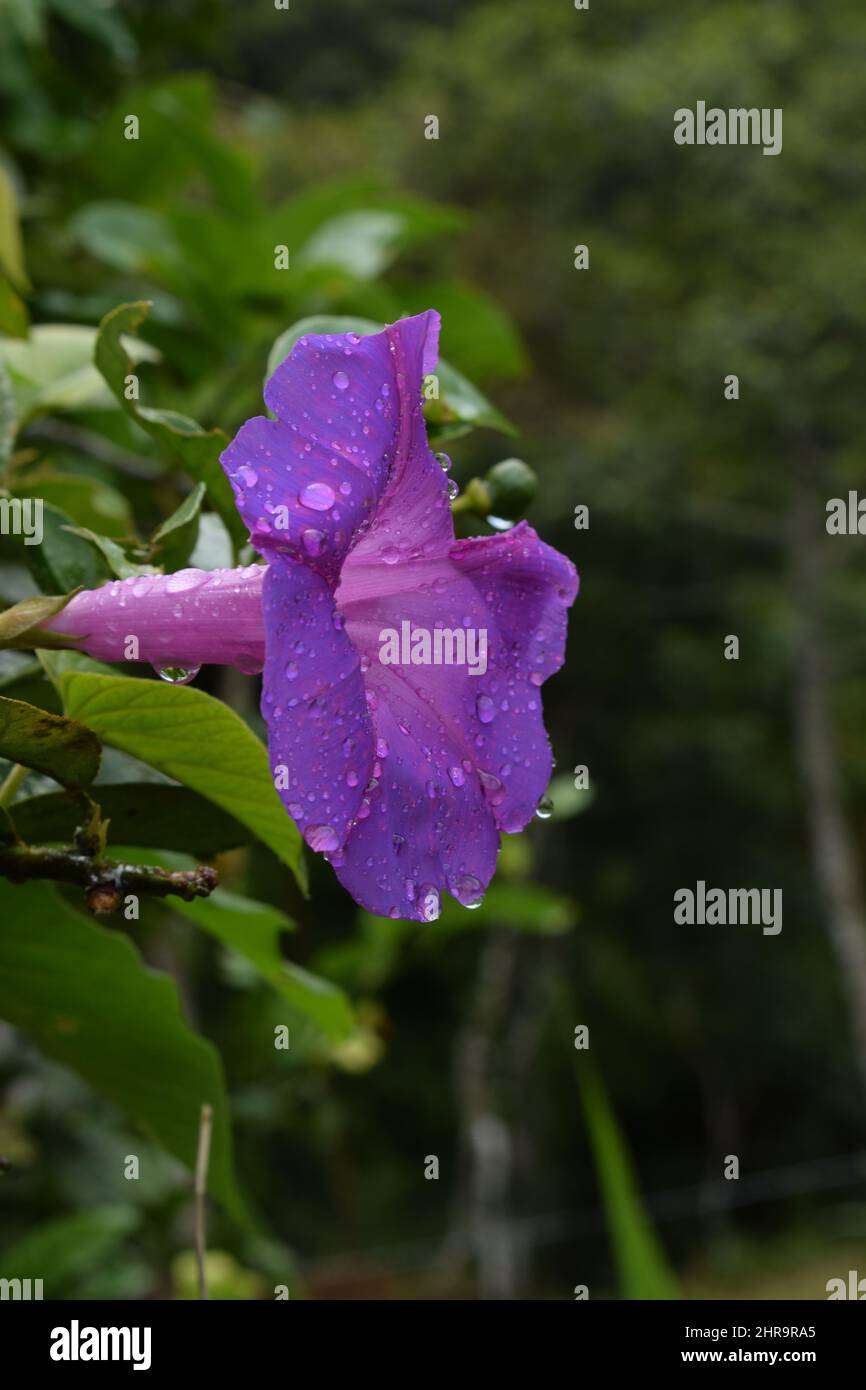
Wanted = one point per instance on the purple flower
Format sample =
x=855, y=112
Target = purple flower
x=402, y=668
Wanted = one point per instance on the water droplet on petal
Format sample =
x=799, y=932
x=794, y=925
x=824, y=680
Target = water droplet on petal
x=537, y=678
x=492, y=786
x=382, y=749
x=443, y=461
x=340, y=380
x=178, y=675
x=453, y=489
x=322, y=838
x=485, y=709
x=390, y=555
x=248, y=475
x=319, y=497
x=291, y=671
x=312, y=541
x=457, y=775
x=544, y=809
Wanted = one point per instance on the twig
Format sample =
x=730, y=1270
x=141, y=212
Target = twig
x=202, y=1158
x=105, y=880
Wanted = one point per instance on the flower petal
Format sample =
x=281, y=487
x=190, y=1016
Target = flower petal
x=425, y=828
x=348, y=423
x=527, y=588
x=320, y=738
x=464, y=755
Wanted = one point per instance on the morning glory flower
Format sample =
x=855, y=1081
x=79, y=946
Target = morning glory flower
x=401, y=667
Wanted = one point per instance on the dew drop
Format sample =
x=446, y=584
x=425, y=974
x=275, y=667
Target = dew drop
x=544, y=809
x=390, y=555
x=177, y=675
x=443, y=461
x=340, y=380
x=468, y=890
x=457, y=775
x=322, y=838
x=485, y=709
x=319, y=497
x=249, y=475
x=312, y=541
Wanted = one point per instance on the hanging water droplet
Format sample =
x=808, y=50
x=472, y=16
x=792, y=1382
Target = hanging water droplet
x=319, y=497
x=468, y=890
x=340, y=380
x=443, y=461
x=177, y=675
x=544, y=809
x=453, y=488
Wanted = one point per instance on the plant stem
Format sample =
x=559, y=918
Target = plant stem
x=105, y=880
x=201, y=1165
x=12, y=782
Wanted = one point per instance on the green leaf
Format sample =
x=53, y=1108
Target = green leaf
x=254, y=930
x=20, y=625
x=174, y=541
x=462, y=403
x=213, y=549
x=193, y=738
x=461, y=406
x=149, y=815
x=86, y=501
x=62, y=1251
x=83, y=996
x=198, y=449
x=53, y=369
x=364, y=243
x=114, y=554
x=122, y=235
x=64, y=561
x=644, y=1272
x=48, y=743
